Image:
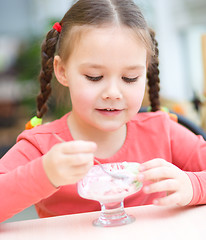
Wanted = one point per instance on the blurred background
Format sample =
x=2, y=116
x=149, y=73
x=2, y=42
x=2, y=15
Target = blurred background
x=181, y=32
x=180, y=27
x=24, y=26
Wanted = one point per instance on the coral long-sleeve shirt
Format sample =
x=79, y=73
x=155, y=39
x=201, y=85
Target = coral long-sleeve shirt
x=24, y=182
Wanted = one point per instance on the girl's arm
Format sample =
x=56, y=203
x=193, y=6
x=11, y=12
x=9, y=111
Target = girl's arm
x=183, y=178
x=27, y=175
x=189, y=154
x=23, y=182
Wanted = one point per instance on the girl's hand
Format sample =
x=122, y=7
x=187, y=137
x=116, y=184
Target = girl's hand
x=68, y=162
x=166, y=177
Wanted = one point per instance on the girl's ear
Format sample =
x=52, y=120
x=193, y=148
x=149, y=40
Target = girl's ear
x=59, y=70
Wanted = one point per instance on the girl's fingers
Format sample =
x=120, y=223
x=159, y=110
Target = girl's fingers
x=157, y=174
x=74, y=147
x=78, y=159
x=76, y=170
x=171, y=199
x=81, y=171
x=68, y=162
x=169, y=185
x=156, y=170
x=157, y=162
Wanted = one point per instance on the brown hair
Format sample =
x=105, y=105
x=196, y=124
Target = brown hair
x=97, y=13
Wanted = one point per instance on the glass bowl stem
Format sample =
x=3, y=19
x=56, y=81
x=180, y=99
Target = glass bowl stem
x=113, y=214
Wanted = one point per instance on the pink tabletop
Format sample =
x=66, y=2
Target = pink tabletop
x=151, y=223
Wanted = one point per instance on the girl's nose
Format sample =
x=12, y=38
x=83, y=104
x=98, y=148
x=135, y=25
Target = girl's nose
x=112, y=91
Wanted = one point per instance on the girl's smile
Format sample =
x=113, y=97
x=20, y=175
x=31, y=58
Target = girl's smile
x=110, y=111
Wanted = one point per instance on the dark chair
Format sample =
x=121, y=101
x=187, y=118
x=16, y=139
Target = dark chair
x=185, y=122
x=3, y=150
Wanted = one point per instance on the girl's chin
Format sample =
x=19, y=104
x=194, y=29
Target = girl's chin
x=110, y=127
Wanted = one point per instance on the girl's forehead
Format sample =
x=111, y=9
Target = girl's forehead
x=108, y=45
x=104, y=36
x=106, y=30
x=78, y=35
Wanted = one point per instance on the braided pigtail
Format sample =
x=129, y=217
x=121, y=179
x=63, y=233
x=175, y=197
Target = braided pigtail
x=153, y=76
x=46, y=73
x=45, y=76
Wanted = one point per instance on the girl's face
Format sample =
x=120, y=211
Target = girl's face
x=106, y=75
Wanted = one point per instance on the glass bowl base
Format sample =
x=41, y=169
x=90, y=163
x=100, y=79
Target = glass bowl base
x=113, y=222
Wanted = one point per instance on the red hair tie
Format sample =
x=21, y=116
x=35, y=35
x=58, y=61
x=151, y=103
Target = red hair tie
x=57, y=27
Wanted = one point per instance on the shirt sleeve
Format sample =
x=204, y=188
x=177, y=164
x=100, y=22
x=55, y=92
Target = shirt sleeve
x=189, y=154
x=23, y=180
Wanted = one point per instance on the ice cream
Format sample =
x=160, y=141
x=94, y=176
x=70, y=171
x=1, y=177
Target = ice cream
x=99, y=186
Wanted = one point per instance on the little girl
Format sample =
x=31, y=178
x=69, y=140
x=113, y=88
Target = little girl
x=104, y=53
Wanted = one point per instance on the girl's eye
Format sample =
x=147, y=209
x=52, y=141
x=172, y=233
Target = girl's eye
x=129, y=80
x=94, y=78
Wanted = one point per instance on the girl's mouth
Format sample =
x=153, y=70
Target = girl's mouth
x=109, y=111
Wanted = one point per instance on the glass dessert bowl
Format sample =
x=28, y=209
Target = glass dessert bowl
x=110, y=192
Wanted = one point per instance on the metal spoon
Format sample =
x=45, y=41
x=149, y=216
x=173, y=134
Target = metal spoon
x=114, y=175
